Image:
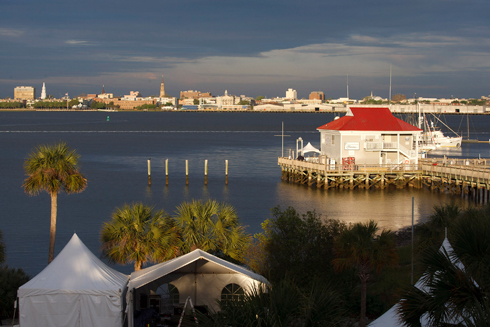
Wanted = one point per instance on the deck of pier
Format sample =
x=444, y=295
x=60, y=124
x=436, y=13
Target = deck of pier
x=453, y=175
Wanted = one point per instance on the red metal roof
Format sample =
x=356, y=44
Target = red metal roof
x=369, y=119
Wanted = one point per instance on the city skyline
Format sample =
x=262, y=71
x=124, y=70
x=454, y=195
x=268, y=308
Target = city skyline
x=436, y=48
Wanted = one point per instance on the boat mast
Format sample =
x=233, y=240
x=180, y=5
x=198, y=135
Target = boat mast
x=389, y=99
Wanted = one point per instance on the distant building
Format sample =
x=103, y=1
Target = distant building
x=24, y=93
x=43, y=92
x=369, y=136
x=317, y=95
x=310, y=101
x=227, y=100
x=291, y=94
x=162, y=89
x=132, y=95
x=194, y=94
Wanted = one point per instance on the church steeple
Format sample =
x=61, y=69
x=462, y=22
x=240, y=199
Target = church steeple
x=162, y=89
x=103, y=91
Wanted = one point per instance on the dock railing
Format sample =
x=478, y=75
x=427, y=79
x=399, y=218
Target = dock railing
x=322, y=166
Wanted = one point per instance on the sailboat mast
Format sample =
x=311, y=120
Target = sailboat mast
x=389, y=99
x=347, y=87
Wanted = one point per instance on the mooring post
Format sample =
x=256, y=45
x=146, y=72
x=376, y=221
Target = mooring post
x=226, y=172
x=166, y=172
x=206, y=172
x=186, y=172
x=149, y=172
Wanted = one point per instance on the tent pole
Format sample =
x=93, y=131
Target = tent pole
x=15, y=309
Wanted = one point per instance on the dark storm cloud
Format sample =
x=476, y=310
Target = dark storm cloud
x=60, y=38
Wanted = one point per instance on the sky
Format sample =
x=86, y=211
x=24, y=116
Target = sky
x=436, y=48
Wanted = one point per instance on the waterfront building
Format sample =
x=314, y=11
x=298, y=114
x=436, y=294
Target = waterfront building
x=291, y=94
x=43, y=92
x=165, y=100
x=128, y=104
x=318, y=95
x=299, y=107
x=133, y=95
x=369, y=136
x=310, y=101
x=24, y=93
x=190, y=94
x=227, y=100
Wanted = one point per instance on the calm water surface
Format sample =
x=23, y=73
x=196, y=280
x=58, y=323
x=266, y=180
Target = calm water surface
x=114, y=158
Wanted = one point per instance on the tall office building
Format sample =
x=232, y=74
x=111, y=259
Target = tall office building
x=24, y=93
x=291, y=94
x=317, y=95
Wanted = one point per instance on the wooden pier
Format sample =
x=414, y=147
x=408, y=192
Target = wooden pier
x=470, y=177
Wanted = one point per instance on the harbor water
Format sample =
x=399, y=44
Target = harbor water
x=115, y=147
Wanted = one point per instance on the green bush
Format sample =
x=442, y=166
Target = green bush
x=10, y=280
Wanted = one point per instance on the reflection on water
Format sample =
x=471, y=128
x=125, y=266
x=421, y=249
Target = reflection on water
x=391, y=208
x=114, y=159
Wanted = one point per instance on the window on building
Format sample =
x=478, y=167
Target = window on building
x=169, y=293
x=232, y=292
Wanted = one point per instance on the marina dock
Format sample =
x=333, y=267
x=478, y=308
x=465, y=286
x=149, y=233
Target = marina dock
x=465, y=177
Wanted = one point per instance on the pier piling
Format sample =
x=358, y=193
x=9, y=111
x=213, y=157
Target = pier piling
x=149, y=172
x=206, y=172
x=226, y=172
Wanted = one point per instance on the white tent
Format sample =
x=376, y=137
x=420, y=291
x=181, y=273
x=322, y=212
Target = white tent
x=198, y=274
x=309, y=148
x=390, y=317
x=75, y=289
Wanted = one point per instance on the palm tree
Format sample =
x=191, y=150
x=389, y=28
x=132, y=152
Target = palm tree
x=432, y=232
x=136, y=234
x=53, y=168
x=283, y=305
x=359, y=247
x=211, y=227
x=456, y=285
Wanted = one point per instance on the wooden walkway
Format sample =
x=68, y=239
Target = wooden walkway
x=466, y=177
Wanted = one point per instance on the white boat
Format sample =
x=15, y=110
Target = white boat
x=433, y=138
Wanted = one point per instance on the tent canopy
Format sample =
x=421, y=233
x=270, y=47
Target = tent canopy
x=309, y=148
x=75, y=269
x=75, y=289
x=198, y=275
x=195, y=262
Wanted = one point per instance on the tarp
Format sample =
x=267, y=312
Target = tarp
x=390, y=318
x=75, y=289
x=198, y=274
x=309, y=148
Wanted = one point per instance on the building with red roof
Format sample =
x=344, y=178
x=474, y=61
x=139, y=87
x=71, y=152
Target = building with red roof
x=369, y=136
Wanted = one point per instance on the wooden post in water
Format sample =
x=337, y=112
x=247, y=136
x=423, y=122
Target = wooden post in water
x=226, y=172
x=149, y=172
x=187, y=172
x=206, y=172
x=166, y=172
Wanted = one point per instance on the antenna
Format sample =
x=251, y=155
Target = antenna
x=389, y=99
x=347, y=87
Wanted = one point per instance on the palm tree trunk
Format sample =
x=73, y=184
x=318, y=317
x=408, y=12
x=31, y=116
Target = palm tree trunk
x=137, y=265
x=52, y=229
x=362, y=321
